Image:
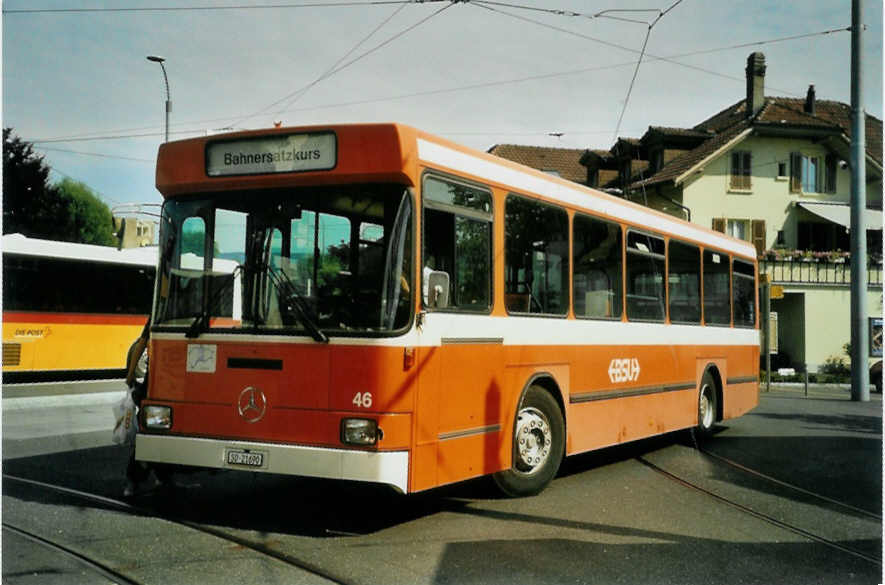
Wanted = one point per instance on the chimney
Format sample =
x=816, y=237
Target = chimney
x=755, y=83
x=809, y=100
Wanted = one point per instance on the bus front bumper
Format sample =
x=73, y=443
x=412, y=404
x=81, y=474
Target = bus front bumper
x=387, y=467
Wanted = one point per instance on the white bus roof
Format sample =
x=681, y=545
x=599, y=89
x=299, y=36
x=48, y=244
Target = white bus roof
x=20, y=244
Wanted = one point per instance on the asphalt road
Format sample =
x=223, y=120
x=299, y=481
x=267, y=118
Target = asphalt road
x=790, y=493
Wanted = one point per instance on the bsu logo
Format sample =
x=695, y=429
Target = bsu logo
x=623, y=370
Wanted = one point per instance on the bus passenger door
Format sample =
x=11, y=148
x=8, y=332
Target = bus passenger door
x=462, y=378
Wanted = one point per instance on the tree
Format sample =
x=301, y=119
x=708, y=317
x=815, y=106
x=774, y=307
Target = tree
x=85, y=219
x=68, y=211
x=26, y=190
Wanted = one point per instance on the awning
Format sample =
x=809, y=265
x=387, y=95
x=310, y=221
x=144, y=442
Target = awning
x=840, y=213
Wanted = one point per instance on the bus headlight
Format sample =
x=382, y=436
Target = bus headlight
x=157, y=417
x=359, y=431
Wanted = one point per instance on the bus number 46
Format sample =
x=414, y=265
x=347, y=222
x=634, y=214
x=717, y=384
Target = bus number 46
x=363, y=400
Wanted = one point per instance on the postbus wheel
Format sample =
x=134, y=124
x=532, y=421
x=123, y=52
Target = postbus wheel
x=538, y=445
x=707, y=407
x=142, y=364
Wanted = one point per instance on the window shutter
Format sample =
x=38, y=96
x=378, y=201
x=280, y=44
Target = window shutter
x=735, y=170
x=830, y=174
x=719, y=224
x=758, y=231
x=795, y=172
x=748, y=170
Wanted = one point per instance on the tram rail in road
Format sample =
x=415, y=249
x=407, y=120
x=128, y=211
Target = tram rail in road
x=768, y=491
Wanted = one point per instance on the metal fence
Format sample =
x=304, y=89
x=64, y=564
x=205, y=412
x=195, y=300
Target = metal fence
x=801, y=272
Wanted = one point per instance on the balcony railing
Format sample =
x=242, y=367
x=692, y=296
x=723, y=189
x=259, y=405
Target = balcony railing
x=817, y=271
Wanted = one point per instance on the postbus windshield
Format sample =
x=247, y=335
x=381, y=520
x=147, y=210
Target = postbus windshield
x=317, y=261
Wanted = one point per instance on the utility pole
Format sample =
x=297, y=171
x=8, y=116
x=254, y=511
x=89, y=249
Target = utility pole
x=860, y=376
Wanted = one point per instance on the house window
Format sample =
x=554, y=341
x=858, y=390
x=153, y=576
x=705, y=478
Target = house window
x=782, y=170
x=740, y=170
x=812, y=174
x=749, y=230
x=739, y=228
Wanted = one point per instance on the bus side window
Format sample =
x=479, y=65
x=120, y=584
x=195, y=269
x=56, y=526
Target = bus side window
x=598, y=268
x=645, y=277
x=536, y=245
x=743, y=288
x=684, y=282
x=717, y=308
x=458, y=242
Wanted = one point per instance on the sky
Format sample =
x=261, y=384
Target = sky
x=559, y=73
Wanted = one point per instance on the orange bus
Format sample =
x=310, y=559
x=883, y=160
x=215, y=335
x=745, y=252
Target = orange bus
x=71, y=311
x=416, y=313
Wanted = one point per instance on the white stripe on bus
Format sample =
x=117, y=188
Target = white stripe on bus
x=517, y=331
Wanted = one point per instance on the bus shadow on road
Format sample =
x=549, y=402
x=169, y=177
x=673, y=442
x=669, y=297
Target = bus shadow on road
x=652, y=558
x=260, y=502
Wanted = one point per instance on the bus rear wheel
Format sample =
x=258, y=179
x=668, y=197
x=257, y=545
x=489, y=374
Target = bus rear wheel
x=707, y=407
x=538, y=445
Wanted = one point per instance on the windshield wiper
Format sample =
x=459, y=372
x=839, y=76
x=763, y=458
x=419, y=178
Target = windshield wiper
x=201, y=322
x=294, y=300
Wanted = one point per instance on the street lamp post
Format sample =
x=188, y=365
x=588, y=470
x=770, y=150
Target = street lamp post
x=160, y=60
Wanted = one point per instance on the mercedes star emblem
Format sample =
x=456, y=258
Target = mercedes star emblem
x=252, y=404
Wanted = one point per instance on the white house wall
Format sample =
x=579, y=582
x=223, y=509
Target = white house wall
x=708, y=194
x=828, y=321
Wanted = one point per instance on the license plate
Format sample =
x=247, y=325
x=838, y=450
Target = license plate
x=246, y=458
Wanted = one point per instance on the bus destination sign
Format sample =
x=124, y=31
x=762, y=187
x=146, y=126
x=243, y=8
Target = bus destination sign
x=285, y=153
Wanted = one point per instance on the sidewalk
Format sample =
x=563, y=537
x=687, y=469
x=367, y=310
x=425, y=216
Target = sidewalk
x=834, y=391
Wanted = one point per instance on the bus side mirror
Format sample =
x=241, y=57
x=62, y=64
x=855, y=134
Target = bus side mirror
x=438, y=290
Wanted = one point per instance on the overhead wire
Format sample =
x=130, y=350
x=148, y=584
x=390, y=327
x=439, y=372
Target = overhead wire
x=330, y=70
x=638, y=63
x=299, y=93
x=483, y=4
x=213, y=8
x=343, y=66
x=563, y=12
x=96, y=154
x=131, y=132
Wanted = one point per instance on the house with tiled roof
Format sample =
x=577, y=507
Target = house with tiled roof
x=772, y=171
x=561, y=162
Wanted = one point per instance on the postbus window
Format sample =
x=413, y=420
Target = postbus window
x=536, y=250
x=684, y=282
x=717, y=309
x=458, y=242
x=645, y=277
x=598, y=267
x=744, y=291
x=90, y=287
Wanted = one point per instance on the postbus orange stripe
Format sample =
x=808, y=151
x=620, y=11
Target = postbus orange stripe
x=73, y=318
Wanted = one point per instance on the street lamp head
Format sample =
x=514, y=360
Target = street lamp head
x=155, y=58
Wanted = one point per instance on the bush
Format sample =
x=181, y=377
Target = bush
x=835, y=366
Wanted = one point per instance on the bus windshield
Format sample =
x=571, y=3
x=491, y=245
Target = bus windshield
x=316, y=261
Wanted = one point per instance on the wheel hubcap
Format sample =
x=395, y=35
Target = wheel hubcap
x=533, y=440
x=706, y=408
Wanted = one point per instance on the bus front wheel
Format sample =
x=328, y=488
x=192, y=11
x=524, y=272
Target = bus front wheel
x=538, y=445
